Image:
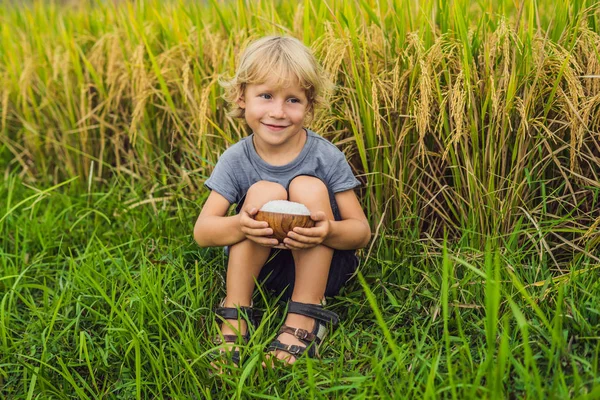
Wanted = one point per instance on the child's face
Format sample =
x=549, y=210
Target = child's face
x=276, y=114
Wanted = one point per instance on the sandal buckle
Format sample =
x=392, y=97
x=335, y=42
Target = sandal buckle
x=294, y=349
x=300, y=333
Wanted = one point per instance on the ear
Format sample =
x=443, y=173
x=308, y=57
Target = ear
x=241, y=102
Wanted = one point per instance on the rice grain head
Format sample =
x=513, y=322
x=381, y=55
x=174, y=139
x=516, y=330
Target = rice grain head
x=332, y=51
x=375, y=107
x=112, y=67
x=376, y=41
x=571, y=100
x=215, y=46
x=396, y=82
x=458, y=98
x=139, y=76
x=57, y=62
x=97, y=55
x=204, y=110
x=505, y=42
x=26, y=77
x=587, y=47
x=499, y=46
x=298, y=21
x=186, y=81
x=524, y=118
x=141, y=90
x=593, y=230
x=423, y=106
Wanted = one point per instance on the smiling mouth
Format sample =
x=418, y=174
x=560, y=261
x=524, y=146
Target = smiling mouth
x=276, y=126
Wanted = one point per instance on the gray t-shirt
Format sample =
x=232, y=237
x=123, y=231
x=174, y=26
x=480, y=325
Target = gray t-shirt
x=240, y=166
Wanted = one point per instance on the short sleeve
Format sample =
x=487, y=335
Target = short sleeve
x=222, y=180
x=340, y=176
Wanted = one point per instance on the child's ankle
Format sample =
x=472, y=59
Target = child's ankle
x=308, y=300
x=232, y=327
x=300, y=321
x=236, y=302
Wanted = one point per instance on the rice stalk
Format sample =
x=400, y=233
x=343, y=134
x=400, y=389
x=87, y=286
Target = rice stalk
x=425, y=94
x=459, y=124
x=458, y=99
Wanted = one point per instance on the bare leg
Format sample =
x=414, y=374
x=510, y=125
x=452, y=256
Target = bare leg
x=312, y=265
x=247, y=258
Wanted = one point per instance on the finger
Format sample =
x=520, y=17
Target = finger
x=267, y=240
x=257, y=231
x=263, y=241
x=257, y=226
x=307, y=232
x=249, y=213
x=296, y=245
x=251, y=210
x=252, y=223
x=318, y=216
x=300, y=238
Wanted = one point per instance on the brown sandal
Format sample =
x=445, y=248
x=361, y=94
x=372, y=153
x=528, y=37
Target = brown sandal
x=313, y=339
x=249, y=314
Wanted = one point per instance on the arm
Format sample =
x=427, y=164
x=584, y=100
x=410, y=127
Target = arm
x=213, y=228
x=353, y=231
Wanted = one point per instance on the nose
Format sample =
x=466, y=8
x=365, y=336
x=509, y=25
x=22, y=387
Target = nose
x=277, y=110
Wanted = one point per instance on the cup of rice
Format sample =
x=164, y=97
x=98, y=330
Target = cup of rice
x=283, y=216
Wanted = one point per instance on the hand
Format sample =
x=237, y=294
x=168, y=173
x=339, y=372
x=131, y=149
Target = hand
x=306, y=238
x=257, y=231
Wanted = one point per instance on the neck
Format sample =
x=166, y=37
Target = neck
x=283, y=154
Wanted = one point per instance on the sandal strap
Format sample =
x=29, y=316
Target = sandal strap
x=313, y=311
x=292, y=349
x=230, y=338
x=235, y=357
x=221, y=355
x=301, y=334
x=234, y=313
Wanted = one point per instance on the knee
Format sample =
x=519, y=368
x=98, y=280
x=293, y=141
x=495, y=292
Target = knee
x=264, y=191
x=305, y=189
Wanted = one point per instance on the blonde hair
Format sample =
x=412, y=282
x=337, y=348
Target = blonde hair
x=284, y=57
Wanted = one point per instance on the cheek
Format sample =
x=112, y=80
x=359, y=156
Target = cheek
x=253, y=111
x=260, y=109
x=298, y=114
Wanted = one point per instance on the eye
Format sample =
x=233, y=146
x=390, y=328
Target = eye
x=294, y=100
x=265, y=96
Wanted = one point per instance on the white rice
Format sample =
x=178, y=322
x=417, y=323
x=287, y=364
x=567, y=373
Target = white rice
x=285, y=207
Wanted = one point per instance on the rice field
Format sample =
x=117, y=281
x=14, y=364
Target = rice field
x=473, y=126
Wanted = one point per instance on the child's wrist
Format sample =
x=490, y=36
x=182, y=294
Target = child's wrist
x=329, y=234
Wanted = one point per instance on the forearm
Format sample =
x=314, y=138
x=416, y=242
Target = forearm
x=218, y=231
x=348, y=234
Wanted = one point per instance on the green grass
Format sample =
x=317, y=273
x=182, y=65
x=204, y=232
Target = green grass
x=459, y=116
x=103, y=296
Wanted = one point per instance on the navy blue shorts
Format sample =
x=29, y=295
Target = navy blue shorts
x=279, y=272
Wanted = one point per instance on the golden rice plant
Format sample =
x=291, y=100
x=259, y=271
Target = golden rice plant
x=474, y=119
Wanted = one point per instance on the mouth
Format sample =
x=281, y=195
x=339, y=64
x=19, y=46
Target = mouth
x=275, y=127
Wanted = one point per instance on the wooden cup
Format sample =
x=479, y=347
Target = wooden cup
x=283, y=223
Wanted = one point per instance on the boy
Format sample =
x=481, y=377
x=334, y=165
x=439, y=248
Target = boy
x=276, y=88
